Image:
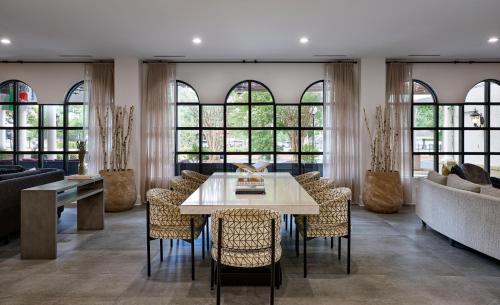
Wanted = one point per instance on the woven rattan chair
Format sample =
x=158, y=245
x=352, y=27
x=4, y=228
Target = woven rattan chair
x=184, y=186
x=194, y=176
x=319, y=185
x=307, y=177
x=249, y=238
x=333, y=220
x=164, y=221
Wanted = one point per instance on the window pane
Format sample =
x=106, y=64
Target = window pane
x=448, y=160
x=237, y=116
x=187, y=161
x=260, y=94
x=312, y=140
x=449, y=140
x=27, y=140
x=25, y=93
x=186, y=94
x=77, y=95
x=237, y=140
x=495, y=116
x=53, y=140
x=53, y=161
x=495, y=140
x=6, y=140
x=495, y=166
x=76, y=115
x=449, y=116
x=266, y=158
x=423, y=116
x=74, y=163
x=6, y=159
x=213, y=116
x=6, y=116
x=475, y=159
x=212, y=163
x=213, y=140
x=421, y=94
x=423, y=140
x=495, y=92
x=27, y=116
x=74, y=136
x=7, y=93
x=187, y=140
x=188, y=116
x=313, y=94
x=53, y=115
x=239, y=94
x=422, y=164
x=476, y=94
x=262, y=116
x=28, y=160
x=288, y=140
x=288, y=163
x=311, y=163
x=287, y=116
x=474, y=116
x=262, y=140
x=312, y=116
x=474, y=140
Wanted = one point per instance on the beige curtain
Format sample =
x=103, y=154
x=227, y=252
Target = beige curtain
x=158, y=127
x=398, y=96
x=341, y=126
x=100, y=93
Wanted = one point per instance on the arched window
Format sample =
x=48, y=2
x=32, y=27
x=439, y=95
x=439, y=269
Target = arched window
x=75, y=114
x=445, y=133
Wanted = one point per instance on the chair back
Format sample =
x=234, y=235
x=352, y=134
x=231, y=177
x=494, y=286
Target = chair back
x=183, y=183
x=194, y=176
x=334, y=208
x=164, y=207
x=246, y=229
x=318, y=185
x=308, y=177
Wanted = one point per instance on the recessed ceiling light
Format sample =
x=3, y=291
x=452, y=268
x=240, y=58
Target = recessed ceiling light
x=197, y=40
x=304, y=40
x=493, y=40
x=5, y=41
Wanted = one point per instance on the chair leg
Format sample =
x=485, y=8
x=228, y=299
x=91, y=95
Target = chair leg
x=208, y=235
x=286, y=221
x=219, y=264
x=340, y=246
x=171, y=243
x=203, y=242
x=349, y=237
x=192, y=249
x=305, y=247
x=211, y=273
x=331, y=242
x=291, y=216
x=161, y=250
x=273, y=228
x=148, y=240
x=296, y=241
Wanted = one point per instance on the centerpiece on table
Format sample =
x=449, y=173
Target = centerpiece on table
x=382, y=189
x=119, y=184
x=250, y=184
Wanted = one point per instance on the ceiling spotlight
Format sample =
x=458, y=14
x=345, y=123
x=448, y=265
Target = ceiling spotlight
x=304, y=40
x=5, y=41
x=197, y=40
x=493, y=40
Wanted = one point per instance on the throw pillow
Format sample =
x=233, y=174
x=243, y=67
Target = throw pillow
x=436, y=177
x=490, y=191
x=445, y=170
x=457, y=170
x=495, y=182
x=456, y=182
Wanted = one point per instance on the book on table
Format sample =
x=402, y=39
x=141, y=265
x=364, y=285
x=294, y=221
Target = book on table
x=250, y=185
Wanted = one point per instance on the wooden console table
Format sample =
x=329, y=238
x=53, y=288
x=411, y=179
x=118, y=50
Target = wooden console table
x=39, y=213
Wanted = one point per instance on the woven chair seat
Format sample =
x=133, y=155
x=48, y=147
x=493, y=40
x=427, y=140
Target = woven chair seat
x=247, y=258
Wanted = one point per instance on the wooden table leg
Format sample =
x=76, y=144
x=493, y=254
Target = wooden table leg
x=90, y=211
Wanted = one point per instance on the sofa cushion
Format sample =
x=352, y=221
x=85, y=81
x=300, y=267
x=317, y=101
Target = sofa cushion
x=456, y=182
x=490, y=191
x=19, y=175
x=475, y=174
x=436, y=177
x=457, y=170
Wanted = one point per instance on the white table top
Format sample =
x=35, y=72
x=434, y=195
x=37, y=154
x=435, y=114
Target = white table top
x=283, y=194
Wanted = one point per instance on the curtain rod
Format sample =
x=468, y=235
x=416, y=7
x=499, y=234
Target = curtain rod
x=55, y=62
x=249, y=62
x=443, y=62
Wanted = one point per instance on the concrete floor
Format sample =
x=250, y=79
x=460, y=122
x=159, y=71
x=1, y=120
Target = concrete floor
x=395, y=261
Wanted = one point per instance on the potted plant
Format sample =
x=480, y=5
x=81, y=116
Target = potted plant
x=119, y=184
x=382, y=189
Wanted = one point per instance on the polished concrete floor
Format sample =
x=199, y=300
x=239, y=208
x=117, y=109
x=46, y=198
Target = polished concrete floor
x=395, y=261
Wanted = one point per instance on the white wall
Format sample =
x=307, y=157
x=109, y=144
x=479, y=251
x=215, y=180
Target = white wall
x=128, y=79
x=451, y=82
x=50, y=81
x=287, y=81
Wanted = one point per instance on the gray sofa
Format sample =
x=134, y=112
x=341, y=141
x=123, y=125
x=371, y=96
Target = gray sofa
x=469, y=218
x=10, y=195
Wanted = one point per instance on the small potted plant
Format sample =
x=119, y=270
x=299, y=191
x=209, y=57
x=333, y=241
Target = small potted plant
x=382, y=189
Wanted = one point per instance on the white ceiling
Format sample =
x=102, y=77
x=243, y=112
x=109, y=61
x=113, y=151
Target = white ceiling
x=255, y=29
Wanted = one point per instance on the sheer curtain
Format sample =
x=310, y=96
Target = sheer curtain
x=398, y=96
x=158, y=127
x=99, y=85
x=341, y=126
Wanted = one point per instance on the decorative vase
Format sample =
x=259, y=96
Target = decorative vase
x=119, y=190
x=383, y=192
x=81, y=166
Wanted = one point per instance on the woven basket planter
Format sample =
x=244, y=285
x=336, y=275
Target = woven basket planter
x=383, y=192
x=119, y=190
